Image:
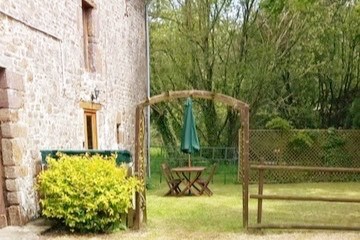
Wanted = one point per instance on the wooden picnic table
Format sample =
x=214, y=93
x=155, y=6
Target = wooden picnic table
x=185, y=174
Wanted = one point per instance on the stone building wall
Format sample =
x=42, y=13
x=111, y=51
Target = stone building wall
x=43, y=80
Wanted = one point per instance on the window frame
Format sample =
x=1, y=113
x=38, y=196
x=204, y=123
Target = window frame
x=87, y=7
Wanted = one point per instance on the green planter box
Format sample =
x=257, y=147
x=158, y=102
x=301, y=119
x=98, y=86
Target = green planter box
x=123, y=156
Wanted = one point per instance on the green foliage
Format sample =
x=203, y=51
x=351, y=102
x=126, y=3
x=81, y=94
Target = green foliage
x=278, y=123
x=273, y=6
x=297, y=59
x=86, y=193
x=300, y=141
x=334, y=152
x=355, y=114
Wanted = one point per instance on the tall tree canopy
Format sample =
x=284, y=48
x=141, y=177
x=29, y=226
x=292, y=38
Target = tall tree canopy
x=294, y=59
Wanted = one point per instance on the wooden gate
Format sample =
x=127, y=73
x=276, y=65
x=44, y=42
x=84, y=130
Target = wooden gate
x=140, y=163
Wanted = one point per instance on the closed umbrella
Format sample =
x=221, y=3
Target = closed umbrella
x=189, y=138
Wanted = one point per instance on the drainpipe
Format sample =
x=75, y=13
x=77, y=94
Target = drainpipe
x=147, y=85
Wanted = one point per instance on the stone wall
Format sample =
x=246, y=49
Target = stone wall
x=44, y=80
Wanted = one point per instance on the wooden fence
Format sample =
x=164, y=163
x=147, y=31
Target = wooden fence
x=324, y=148
x=320, y=148
x=319, y=153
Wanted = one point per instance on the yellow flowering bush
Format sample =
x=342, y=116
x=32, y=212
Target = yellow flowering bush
x=86, y=193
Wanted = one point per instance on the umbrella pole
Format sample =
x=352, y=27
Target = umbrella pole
x=189, y=161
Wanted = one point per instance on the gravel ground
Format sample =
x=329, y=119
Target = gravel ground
x=297, y=235
x=34, y=230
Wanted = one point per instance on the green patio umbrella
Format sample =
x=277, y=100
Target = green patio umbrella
x=189, y=138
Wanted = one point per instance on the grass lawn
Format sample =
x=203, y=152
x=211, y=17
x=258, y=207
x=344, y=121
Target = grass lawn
x=220, y=216
x=221, y=212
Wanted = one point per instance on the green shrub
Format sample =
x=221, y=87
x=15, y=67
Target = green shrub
x=335, y=153
x=301, y=141
x=279, y=123
x=355, y=113
x=86, y=193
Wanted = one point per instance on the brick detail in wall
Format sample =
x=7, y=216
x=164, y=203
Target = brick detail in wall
x=13, y=172
x=10, y=98
x=11, y=80
x=13, y=130
x=12, y=151
x=11, y=185
x=3, y=220
x=12, y=144
x=13, y=198
x=8, y=115
x=15, y=216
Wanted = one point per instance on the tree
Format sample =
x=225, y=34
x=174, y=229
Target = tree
x=204, y=30
x=294, y=59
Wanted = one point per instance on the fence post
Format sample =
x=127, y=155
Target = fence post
x=260, y=191
x=244, y=143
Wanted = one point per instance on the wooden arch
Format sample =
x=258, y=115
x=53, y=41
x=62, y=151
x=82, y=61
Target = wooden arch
x=241, y=107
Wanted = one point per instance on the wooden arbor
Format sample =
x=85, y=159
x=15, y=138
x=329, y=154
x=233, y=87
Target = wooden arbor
x=241, y=107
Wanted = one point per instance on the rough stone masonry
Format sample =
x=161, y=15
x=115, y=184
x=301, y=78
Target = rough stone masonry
x=53, y=55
